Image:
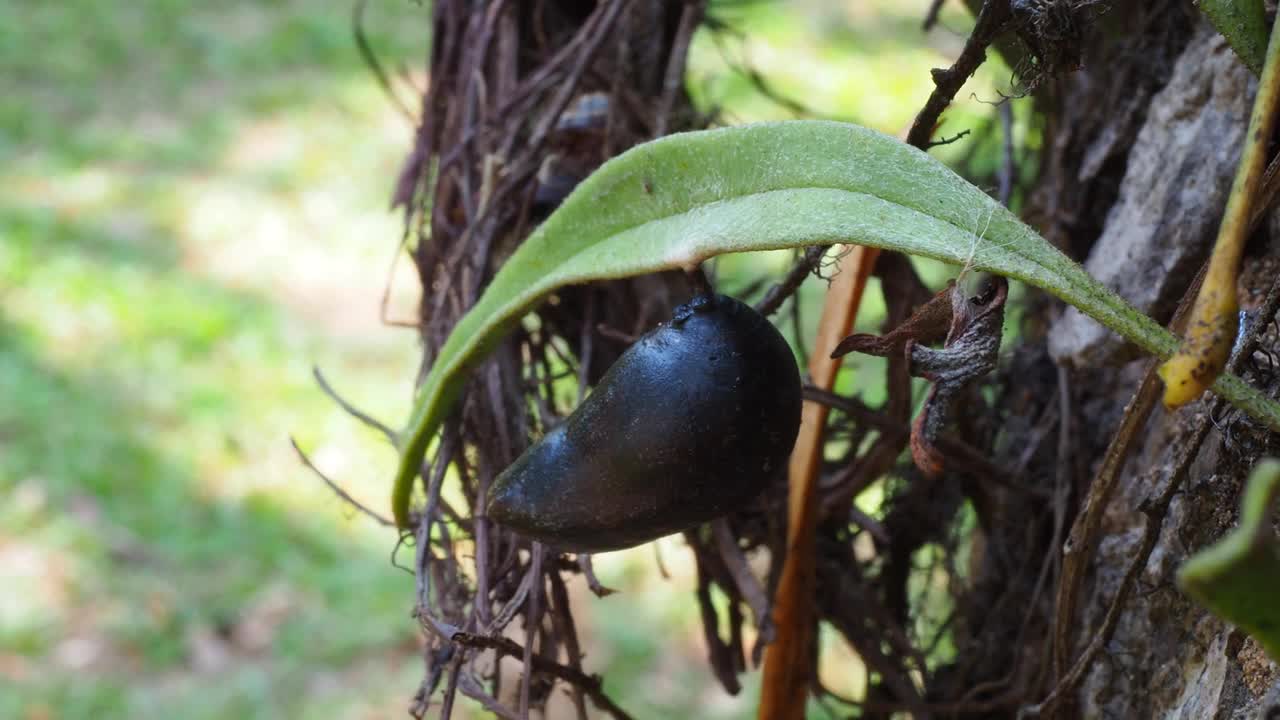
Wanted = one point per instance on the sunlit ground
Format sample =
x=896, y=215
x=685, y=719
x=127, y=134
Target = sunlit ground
x=192, y=215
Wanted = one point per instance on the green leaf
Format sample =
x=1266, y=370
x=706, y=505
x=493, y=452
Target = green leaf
x=681, y=199
x=1244, y=24
x=1238, y=578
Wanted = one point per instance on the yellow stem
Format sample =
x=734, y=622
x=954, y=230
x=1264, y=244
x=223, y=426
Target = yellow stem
x=1212, y=328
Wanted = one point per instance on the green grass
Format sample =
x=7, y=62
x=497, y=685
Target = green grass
x=188, y=194
x=192, y=214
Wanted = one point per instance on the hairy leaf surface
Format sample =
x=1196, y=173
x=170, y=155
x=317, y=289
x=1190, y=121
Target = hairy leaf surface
x=678, y=200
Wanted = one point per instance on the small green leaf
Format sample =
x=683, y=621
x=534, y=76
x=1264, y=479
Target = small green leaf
x=681, y=199
x=1238, y=578
x=1244, y=24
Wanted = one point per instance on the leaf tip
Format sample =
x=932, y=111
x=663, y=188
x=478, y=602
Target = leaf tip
x=1236, y=577
x=1204, y=353
x=1181, y=385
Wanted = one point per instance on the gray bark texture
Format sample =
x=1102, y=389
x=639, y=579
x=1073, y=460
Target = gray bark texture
x=1171, y=198
x=1136, y=191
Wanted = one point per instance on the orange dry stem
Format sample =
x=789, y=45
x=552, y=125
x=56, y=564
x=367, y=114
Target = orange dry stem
x=788, y=660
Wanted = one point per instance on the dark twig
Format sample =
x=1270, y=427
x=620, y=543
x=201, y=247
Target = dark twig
x=947, y=140
x=436, y=658
x=868, y=523
x=371, y=59
x=698, y=281
x=337, y=489
x=797, y=331
x=765, y=88
x=450, y=692
x=545, y=76
x=590, y=684
x=481, y=607
x=1081, y=542
x=513, y=606
x=871, y=647
x=1083, y=538
x=992, y=20
x=562, y=616
x=748, y=586
x=758, y=81
x=586, y=339
x=615, y=334
x=1155, y=513
x=931, y=16
x=719, y=653
x=503, y=76
x=1008, y=167
x=593, y=583
x=970, y=459
x=472, y=689
x=518, y=173
x=1266, y=314
x=1268, y=193
x=674, y=78
x=609, y=15
x=384, y=303
x=532, y=621
x=448, y=446
x=659, y=562
x=779, y=293
x=352, y=410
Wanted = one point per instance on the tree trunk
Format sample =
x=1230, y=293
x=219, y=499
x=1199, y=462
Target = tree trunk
x=525, y=99
x=1141, y=145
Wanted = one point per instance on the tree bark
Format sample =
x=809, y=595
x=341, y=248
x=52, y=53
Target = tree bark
x=1141, y=144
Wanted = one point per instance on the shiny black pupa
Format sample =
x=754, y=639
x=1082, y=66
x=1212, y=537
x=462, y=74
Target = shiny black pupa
x=690, y=423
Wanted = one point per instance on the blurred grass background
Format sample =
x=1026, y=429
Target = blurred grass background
x=192, y=214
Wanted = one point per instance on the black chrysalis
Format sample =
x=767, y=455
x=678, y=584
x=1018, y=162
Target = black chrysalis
x=689, y=424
